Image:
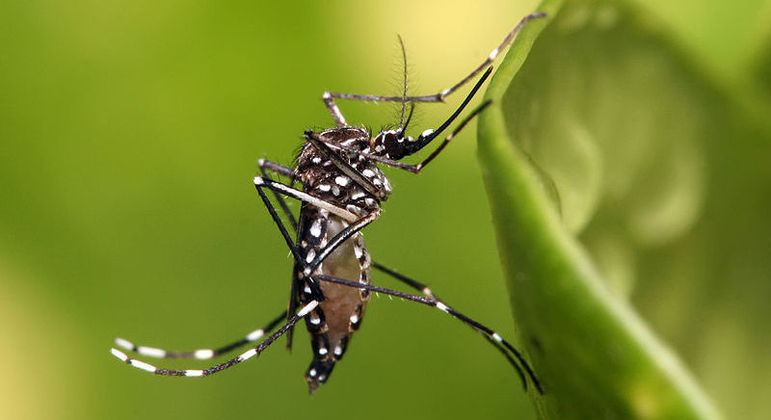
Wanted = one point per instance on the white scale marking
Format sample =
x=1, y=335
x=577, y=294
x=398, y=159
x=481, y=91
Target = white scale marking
x=128, y=345
x=342, y=181
x=193, y=372
x=315, y=319
x=357, y=195
x=358, y=251
x=316, y=228
x=338, y=350
x=354, y=319
x=344, y=214
x=142, y=365
x=151, y=351
x=497, y=337
x=119, y=354
x=307, y=308
x=312, y=372
x=307, y=289
x=311, y=255
x=427, y=133
x=442, y=307
x=493, y=54
x=323, y=351
x=255, y=335
x=325, y=187
x=203, y=354
x=247, y=355
x=368, y=173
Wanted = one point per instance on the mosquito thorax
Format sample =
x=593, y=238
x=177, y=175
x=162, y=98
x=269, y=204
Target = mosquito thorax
x=322, y=177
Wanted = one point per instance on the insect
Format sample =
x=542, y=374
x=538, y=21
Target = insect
x=341, y=192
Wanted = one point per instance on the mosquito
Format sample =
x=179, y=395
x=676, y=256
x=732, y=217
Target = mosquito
x=342, y=188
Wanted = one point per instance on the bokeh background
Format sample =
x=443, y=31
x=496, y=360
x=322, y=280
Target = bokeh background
x=129, y=135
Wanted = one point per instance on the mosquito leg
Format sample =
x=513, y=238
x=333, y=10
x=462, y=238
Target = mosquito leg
x=334, y=110
x=232, y=362
x=261, y=182
x=490, y=334
x=430, y=294
x=329, y=97
x=201, y=354
x=265, y=166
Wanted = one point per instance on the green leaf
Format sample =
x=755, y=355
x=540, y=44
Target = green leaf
x=591, y=153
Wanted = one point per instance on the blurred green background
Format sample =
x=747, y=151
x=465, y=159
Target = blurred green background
x=129, y=134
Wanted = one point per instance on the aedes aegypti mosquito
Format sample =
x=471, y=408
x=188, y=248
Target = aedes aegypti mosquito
x=342, y=188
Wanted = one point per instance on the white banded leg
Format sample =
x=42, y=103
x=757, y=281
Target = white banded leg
x=422, y=288
x=484, y=330
x=217, y=368
x=201, y=354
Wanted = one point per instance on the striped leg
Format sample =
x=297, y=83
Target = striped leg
x=217, y=368
x=265, y=166
x=487, y=332
x=329, y=97
x=200, y=354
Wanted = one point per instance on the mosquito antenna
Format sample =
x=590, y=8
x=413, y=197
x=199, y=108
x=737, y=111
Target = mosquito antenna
x=404, y=84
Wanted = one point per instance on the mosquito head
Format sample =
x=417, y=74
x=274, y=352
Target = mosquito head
x=392, y=144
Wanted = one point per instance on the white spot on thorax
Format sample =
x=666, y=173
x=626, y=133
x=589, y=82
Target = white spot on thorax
x=316, y=228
